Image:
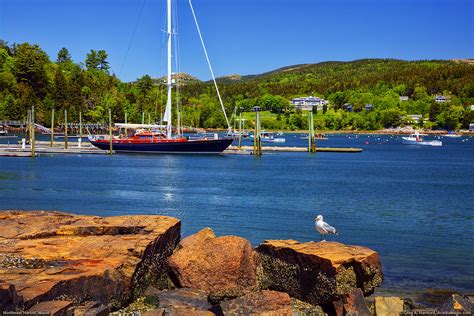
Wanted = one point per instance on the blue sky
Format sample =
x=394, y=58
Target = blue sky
x=243, y=36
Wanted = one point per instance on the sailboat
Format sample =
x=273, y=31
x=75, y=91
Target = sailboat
x=158, y=138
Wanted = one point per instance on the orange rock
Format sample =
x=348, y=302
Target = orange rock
x=201, y=236
x=53, y=308
x=221, y=266
x=352, y=303
x=259, y=303
x=108, y=259
x=318, y=272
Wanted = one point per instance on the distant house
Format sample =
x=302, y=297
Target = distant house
x=307, y=103
x=472, y=107
x=368, y=107
x=471, y=127
x=414, y=118
x=403, y=98
x=348, y=107
x=442, y=98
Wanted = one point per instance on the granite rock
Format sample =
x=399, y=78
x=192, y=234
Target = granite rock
x=318, y=272
x=221, y=266
x=47, y=255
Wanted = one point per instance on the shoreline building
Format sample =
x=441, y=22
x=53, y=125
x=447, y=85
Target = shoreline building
x=442, y=99
x=308, y=103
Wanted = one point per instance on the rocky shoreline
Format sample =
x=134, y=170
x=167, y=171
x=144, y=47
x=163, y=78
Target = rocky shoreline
x=64, y=264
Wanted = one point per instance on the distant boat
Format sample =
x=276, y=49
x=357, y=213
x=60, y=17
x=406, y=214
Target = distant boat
x=235, y=134
x=417, y=139
x=4, y=134
x=452, y=135
x=84, y=137
x=268, y=137
x=316, y=136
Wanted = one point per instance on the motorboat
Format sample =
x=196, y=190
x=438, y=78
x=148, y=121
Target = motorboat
x=417, y=139
x=269, y=137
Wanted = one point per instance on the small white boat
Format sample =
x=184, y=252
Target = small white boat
x=268, y=137
x=417, y=139
x=235, y=134
x=316, y=136
x=452, y=135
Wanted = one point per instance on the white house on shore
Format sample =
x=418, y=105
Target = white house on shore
x=414, y=118
x=307, y=103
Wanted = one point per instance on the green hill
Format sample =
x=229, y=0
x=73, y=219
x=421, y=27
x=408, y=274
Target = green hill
x=29, y=77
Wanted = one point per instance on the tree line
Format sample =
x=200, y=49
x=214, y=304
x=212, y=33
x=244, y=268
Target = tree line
x=29, y=77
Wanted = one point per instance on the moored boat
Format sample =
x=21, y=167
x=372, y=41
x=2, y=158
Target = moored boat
x=452, y=135
x=150, y=141
x=417, y=139
x=269, y=137
x=316, y=136
x=159, y=138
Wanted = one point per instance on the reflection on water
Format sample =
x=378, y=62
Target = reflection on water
x=413, y=204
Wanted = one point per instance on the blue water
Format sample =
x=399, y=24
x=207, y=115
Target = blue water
x=412, y=204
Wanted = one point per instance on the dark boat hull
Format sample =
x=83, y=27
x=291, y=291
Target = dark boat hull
x=191, y=146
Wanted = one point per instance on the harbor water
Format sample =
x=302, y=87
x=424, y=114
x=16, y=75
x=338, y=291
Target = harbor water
x=412, y=204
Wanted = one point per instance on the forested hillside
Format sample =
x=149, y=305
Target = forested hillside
x=29, y=77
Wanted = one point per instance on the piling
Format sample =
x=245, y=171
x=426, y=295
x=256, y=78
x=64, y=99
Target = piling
x=311, y=137
x=32, y=131
x=110, y=131
x=240, y=128
x=257, y=142
x=80, y=130
x=52, y=129
x=65, y=129
x=126, y=122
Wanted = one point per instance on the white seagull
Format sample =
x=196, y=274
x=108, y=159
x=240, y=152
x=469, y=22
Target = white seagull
x=324, y=228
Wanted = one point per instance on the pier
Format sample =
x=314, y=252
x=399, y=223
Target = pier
x=233, y=149
x=44, y=148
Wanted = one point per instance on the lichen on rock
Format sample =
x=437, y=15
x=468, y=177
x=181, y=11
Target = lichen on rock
x=317, y=273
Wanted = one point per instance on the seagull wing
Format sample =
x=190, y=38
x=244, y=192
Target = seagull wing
x=329, y=228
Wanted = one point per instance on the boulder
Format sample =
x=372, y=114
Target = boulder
x=53, y=308
x=88, y=308
x=259, y=303
x=185, y=302
x=318, y=272
x=352, y=303
x=220, y=266
x=9, y=299
x=388, y=306
x=197, y=238
x=47, y=255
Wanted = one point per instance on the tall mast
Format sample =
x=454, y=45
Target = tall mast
x=168, y=112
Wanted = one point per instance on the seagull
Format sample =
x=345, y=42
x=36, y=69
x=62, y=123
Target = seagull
x=324, y=228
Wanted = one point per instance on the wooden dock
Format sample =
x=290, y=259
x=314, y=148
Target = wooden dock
x=249, y=149
x=43, y=148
